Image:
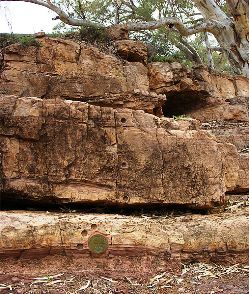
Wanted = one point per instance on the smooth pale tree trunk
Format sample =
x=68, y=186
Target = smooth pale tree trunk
x=209, y=52
x=231, y=33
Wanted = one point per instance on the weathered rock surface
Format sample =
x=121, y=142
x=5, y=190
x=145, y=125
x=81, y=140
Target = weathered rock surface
x=74, y=130
x=200, y=94
x=78, y=71
x=221, y=102
x=133, y=51
x=236, y=133
x=187, y=237
x=63, y=68
x=75, y=152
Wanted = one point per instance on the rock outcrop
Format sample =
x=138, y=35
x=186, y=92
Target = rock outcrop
x=133, y=51
x=71, y=151
x=65, y=69
x=122, y=154
x=187, y=237
x=79, y=127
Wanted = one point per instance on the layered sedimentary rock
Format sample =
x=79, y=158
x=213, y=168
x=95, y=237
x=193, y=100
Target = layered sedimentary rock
x=220, y=102
x=63, y=68
x=85, y=127
x=75, y=152
x=236, y=133
x=200, y=94
x=186, y=237
x=133, y=51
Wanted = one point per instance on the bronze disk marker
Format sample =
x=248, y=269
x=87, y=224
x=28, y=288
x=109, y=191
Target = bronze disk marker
x=98, y=244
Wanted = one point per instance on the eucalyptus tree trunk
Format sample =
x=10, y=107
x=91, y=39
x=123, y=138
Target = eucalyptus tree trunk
x=209, y=52
x=231, y=32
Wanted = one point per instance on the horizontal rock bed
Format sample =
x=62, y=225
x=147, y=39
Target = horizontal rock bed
x=189, y=237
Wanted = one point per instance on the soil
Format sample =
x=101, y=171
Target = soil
x=63, y=274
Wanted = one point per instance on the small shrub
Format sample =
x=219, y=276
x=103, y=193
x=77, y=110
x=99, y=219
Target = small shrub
x=27, y=40
x=182, y=116
x=24, y=40
x=94, y=34
x=6, y=40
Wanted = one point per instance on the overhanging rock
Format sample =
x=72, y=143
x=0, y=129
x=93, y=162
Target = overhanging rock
x=73, y=152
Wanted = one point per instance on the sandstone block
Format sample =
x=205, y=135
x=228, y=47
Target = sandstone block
x=133, y=51
x=76, y=152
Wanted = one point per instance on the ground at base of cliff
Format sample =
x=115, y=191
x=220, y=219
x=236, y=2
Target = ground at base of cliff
x=61, y=274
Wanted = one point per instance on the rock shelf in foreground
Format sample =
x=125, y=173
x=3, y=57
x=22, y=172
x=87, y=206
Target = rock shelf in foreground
x=192, y=236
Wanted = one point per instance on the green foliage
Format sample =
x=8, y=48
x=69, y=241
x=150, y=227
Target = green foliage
x=93, y=34
x=6, y=40
x=181, y=117
x=28, y=41
x=220, y=60
x=99, y=11
x=163, y=43
x=24, y=40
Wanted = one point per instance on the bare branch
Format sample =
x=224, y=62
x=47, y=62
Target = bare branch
x=188, y=52
x=172, y=22
x=63, y=16
x=211, y=10
x=195, y=56
x=218, y=49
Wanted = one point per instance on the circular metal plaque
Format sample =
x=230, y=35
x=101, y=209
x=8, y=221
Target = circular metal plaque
x=98, y=244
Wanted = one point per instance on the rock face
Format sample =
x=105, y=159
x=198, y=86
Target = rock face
x=220, y=102
x=202, y=95
x=81, y=126
x=133, y=51
x=65, y=69
x=109, y=149
x=75, y=152
x=185, y=237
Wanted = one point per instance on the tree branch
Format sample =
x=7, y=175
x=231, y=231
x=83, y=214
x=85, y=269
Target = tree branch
x=211, y=10
x=209, y=52
x=218, y=49
x=195, y=56
x=172, y=22
x=189, y=51
x=63, y=16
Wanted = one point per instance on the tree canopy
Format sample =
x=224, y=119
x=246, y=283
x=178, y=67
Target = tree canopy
x=170, y=23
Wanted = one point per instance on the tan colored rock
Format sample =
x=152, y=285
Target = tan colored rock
x=75, y=152
x=242, y=86
x=186, y=237
x=117, y=33
x=65, y=69
x=243, y=180
x=166, y=77
x=231, y=164
x=237, y=134
x=202, y=95
x=133, y=51
x=223, y=112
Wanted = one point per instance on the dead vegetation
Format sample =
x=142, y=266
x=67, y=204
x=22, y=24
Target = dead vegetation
x=192, y=278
